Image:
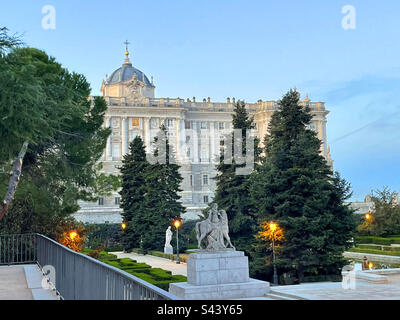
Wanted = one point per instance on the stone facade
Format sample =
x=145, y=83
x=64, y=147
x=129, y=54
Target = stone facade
x=195, y=128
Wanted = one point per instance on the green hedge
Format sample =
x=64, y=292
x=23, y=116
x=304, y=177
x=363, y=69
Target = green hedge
x=370, y=246
x=377, y=240
x=374, y=251
x=156, y=276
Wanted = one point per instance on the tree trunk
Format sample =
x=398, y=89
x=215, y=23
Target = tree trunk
x=300, y=273
x=14, y=179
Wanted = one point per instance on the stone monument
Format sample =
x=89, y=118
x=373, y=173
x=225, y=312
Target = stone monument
x=217, y=271
x=168, y=236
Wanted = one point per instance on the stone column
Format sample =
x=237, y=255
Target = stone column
x=107, y=125
x=182, y=138
x=110, y=144
x=195, y=143
x=212, y=141
x=179, y=141
x=147, y=133
x=123, y=137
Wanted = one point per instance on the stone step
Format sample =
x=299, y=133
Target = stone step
x=276, y=297
x=283, y=296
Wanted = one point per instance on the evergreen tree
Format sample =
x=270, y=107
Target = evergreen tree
x=232, y=188
x=134, y=165
x=296, y=188
x=50, y=108
x=162, y=203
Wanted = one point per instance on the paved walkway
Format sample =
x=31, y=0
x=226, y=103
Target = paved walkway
x=155, y=262
x=333, y=290
x=23, y=282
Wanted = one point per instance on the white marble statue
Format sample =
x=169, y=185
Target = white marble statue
x=214, y=230
x=168, y=236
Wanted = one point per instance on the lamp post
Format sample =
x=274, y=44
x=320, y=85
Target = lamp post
x=273, y=227
x=177, y=224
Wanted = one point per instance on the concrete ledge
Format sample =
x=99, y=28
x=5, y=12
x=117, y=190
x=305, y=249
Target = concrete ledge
x=373, y=257
x=34, y=278
x=252, y=288
x=366, y=276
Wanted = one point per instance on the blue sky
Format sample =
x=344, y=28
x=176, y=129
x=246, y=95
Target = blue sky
x=249, y=50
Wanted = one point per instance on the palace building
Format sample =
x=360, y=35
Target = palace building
x=195, y=129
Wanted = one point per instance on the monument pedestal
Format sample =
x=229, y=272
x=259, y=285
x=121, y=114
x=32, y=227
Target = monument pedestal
x=168, y=249
x=218, y=275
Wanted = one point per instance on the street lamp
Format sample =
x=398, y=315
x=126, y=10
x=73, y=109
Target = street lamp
x=177, y=224
x=72, y=235
x=123, y=225
x=273, y=226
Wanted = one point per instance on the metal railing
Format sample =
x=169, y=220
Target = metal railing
x=17, y=249
x=78, y=276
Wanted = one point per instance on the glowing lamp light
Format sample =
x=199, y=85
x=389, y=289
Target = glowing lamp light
x=370, y=265
x=177, y=223
x=123, y=225
x=273, y=226
x=368, y=216
x=73, y=235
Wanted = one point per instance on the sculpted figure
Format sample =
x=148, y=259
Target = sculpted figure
x=214, y=230
x=168, y=237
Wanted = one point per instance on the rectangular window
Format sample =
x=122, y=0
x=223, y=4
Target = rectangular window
x=170, y=123
x=116, y=151
x=204, y=155
x=101, y=201
x=205, y=179
x=221, y=125
x=188, y=124
x=221, y=141
x=191, y=180
x=205, y=199
x=117, y=200
x=135, y=122
x=203, y=125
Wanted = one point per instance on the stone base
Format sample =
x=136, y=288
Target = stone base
x=169, y=250
x=222, y=267
x=250, y=289
x=218, y=275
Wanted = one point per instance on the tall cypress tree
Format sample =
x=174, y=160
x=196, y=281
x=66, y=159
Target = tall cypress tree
x=232, y=189
x=296, y=188
x=162, y=203
x=134, y=165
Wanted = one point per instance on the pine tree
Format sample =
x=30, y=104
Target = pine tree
x=296, y=188
x=161, y=199
x=232, y=189
x=134, y=165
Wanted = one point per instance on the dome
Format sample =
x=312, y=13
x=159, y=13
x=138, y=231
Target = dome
x=126, y=72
